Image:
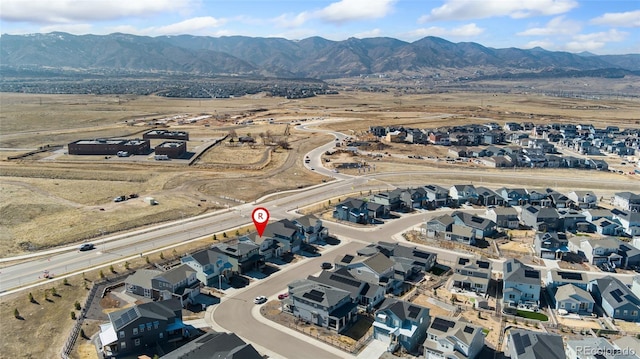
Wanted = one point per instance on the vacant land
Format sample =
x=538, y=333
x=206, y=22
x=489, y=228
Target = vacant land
x=53, y=198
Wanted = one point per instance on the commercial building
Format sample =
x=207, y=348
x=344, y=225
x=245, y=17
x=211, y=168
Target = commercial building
x=167, y=135
x=172, y=149
x=103, y=146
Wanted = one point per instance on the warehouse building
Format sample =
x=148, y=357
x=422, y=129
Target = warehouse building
x=104, y=146
x=172, y=149
x=167, y=135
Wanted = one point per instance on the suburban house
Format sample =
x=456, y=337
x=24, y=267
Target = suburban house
x=583, y=199
x=215, y=345
x=630, y=255
x=320, y=304
x=437, y=226
x=436, y=196
x=627, y=201
x=179, y=282
x=525, y=344
x=376, y=269
x=630, y=221
x=593, y=214
x=514, y=196
x=462, y=234
x=272, y=247
x=558, y=199
x=462, y=193
x=367, y=295
x=472, y=275
x=408, y=260
x=285, y=230
x=452, y=338
x=597, y=251
x=352, y=210
x=521, y=284
x=607, y=227
x=412, y=198
x=390, y=199
x=487, y=197
x=616, y=299
x=376, y=210
x=244, y=256
x=144, y=325
x=551, y=245
x=544, y=219
x=539, y=198
x=398, y=322
x=574, y=220
x=557, y=278
x=312, y=228
x=504, y=217
x=482, y=227
x=573, y=299
x=209, y=265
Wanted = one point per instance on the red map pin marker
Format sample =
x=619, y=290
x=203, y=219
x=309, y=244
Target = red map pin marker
x=260, y=218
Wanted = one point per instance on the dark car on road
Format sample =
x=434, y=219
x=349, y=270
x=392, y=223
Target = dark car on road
x=86, y=247
x=326, y=265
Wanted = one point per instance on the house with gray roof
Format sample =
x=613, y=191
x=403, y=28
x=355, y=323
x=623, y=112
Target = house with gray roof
x=452, y=338
x=436, y=196
x=312, y=228
x=597, y=250
x=271, y=247
x=244, y=255
x=472, y=275
x=487, y=197
x=607, y=227
x=482, y=227
x=630, y=221
x=285, y=230
x=376, y=269
x=408, y=261
x=131, y=330
x=573, y=299
x=583, y=199
x=139, y=283
x=616, y=299
x=215, y=346
x=398, y=322
x=543, y=219
x=367, y=295
x=556, y=278
x=514, y=196
x=320, y=304
x=627, y=201
x=209, y=266
x=462, y=193
x=525, y=344
x=521, y=284
x=352, y=210
x=504, y=217
x=178, y=282
x=437, y=226
x=593, y=214
x=550, y=245
x=462, y=234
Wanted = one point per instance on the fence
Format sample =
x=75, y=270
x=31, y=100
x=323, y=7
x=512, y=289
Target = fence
x=314, y=332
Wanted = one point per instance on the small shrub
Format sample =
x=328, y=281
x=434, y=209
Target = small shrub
x=77, y=305
x=16, y=313
x=237, y=232
x=54, y=292
x=224, y=234
x=73, y=315
x=65, y=281
x=161, y=255
x=215, y=238
x=111, y=269
x=101, y=274
x=147, y=259
x=31, y=299
x=127, y=265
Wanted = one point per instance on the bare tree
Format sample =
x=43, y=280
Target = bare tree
x=284, y=144
x=232, y=133
x=261, y=135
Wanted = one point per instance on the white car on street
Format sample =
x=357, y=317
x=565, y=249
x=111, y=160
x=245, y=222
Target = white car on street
x=259, y=300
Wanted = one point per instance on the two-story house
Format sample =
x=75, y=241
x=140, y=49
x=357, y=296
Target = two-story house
x=352, y=210
x=487, y=197
x=178, y=282
x=437, y=226
x=521, y=285
x=312, y=228
x=525, y=344
x=597, y=251
x=408, y=260
x=144, y=325
x=244, y=256
x=320, y=304
x=482, y=227
x=627, y=201
x=573, y=299
x=583, y=199
x=215, y=345
x=514, y=196
x=551, y=245
x=544, y=219
x=504, y=217
x=451, y=338
x=376, y=269
x=436, y=196
x=615, y=298
x=285, y=230
x=390, y=199
x=398, y=322
x=367, y=295
x=472, y=275
x=211, y=267
x=462, y=193
x=630, y=221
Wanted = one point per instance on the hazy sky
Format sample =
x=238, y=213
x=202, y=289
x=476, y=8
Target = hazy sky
x=598, y=26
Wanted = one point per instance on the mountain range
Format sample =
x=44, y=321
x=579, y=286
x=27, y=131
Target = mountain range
x=313, y=57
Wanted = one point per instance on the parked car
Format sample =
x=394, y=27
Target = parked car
x=259, y=300
x=86, y=247
x=326, y=265
x=283, y=296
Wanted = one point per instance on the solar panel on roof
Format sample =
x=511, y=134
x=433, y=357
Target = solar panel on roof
x=477, y=219
x=314, y=295
x=468, y=329
x=483, y=264
x=570, y=275
x=617, y=295
x=509, y=269
x=526, y=341
x=463, y=261
x=413, y=311
x=531, y=274
x=347, y=258
x=442, y=324
x=517, y=342
x=341, y=279
x=420, y=254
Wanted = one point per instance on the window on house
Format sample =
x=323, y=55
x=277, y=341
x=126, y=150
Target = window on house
x=136, y=342
x=161, y=335
x=617, y=312
x=135, y=331
x=141, y=327
x=625, y=312
x=512, y=296
x=121, y=334
x=149, y=326
x=123, y=345
x=156, y=324
x=634, y=313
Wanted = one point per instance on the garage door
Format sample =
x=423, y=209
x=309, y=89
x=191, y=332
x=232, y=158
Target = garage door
x=383, y=337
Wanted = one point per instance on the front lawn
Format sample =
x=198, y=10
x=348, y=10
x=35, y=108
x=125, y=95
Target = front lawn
x=532, y=315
